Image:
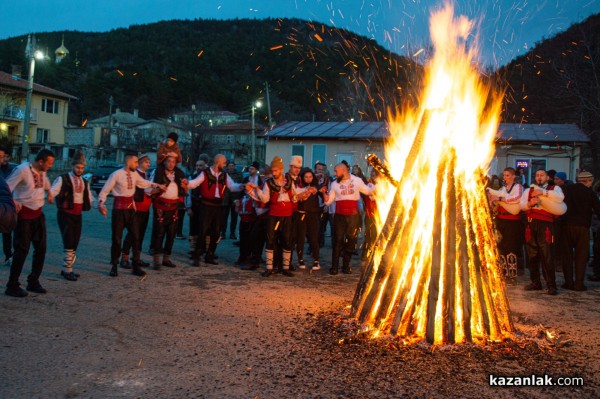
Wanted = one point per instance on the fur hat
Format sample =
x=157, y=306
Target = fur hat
x=277, y=162
x=173, y=136
x=78, y=158
x=585, y=175
x=255, y=165
x=296, y=161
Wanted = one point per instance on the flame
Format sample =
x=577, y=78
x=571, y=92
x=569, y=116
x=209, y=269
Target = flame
x=440, y=279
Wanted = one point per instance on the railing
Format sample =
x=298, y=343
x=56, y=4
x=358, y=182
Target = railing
x=12, y=111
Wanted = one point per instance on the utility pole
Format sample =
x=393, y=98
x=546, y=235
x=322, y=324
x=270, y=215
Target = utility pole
x=29, y=53
x=268, y=105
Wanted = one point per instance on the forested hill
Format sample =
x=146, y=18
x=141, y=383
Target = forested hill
x=558, y=81
x=314, y=71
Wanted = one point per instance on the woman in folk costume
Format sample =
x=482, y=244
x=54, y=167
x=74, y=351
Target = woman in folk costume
x=72, y=195
x=280, y=193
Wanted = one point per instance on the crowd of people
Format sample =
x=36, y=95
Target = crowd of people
x=279, y=213
x=283, y=216
x=546, y=227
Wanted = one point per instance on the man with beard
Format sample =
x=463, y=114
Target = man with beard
x=506, y=201
x=142, y=214
x=122, y=184
x=164, y=222
x=29, y=183
x=229, y=203
x=542, y=202
x=72, y=195
x=280, y=192
x=212, y=182
x=345, y=191
x=293, y=175
x=193, y=205
x=581, y=202
x=5, y=171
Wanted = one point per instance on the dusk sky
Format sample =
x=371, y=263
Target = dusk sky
x=508, y=28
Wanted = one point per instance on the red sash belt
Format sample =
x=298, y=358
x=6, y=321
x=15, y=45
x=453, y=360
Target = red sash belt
x=28, y=213
x=76, y=210
x=165, y=204
x=346, y=207
x=124, y=203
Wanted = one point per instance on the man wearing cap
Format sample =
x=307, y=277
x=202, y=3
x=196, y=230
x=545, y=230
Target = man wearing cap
x=212, y=183
x=280, y=192
x=581, y=202
x=345, y=191
x=142, y=214
x=164, y=221
x=72, y=195
x=122, y=184
x=28, y=184
x=248, y=216
x=293, y=174
x=539, y=202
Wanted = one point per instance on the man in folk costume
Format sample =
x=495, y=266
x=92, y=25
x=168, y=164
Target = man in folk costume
x=28, y=184
x=280, y=192
x=248, y=215
x=258, y=235
x=542, y=202
x=345, y=191
x=212, y=183
x=193, y=205
x=164, y=222
x=293, y=174
x=142, y=214
x=506, y=203
x=72, y=195
x=122, y=184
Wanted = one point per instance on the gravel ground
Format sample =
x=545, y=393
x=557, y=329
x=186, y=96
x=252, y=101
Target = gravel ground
x=220, y=332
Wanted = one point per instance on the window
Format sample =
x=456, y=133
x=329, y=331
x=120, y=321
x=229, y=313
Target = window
x=319, y=153
x=43, y=136
x=229, y=139
x=298, y=149
x=49, y=106
x=339, y=157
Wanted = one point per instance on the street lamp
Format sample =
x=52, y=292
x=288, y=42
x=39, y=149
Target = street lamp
x=255, y=105
x=31, y=54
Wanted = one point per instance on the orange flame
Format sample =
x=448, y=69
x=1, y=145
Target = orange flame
x=440, y=279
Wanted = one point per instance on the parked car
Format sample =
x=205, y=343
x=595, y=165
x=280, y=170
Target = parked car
x=98, y=176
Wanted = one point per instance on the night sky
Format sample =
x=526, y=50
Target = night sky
x=507, y=28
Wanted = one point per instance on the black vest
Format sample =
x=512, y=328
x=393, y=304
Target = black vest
x=160, y=177
x=139, y=194
x=64, y=200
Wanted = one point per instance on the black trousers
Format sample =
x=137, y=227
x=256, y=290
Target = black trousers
x=596, y=251
x=370, y=235
x=279, y=233
x=211, y=226
x=259, y=237
x=196, y=218
x=180, y=217
x=297, y=235
x=511, y=231
x=324, y=220
x=7, y=244
x=227, y=211
x=245, y=240
x=123, y=219
x=309, y=227
x=142, y=225
x=70, y=229
x=28, y=232
x=164, y=227
x=578, y=251
x=345, y=235
x=539, y=239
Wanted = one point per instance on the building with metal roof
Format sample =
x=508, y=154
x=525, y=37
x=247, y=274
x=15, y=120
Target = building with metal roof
x=528, y=146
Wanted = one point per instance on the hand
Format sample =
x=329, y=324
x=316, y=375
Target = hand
x=312, y=190
x=250, y=186
x=50, y=199
x=533, y=202
x=323, y=190
x=325, y=196
x=189, y=212
x=18, y=206
x=537, y=192
x=162, y=187
x=103, y=210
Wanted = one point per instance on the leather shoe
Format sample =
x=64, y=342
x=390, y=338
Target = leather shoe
x=210, y=261
x=113, y=271
x=168, y=263
x=347, y=270
x=267, y=273
x=17, y=292
x=287, y=273
x=333, y=272
x=138, y=272
x=251, y=267
x=141, y=263
x=551, y=291
x=580, y=288
x=36, y=287
x=566, y=286
x=69, y=275
x=196, y=262
x=533, y=287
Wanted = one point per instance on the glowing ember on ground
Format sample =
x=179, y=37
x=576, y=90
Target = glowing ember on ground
x=433, y=272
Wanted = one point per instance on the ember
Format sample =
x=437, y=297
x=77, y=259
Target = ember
x=433, y=274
